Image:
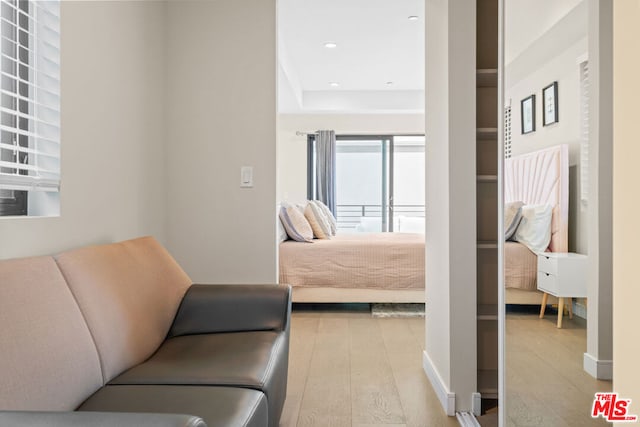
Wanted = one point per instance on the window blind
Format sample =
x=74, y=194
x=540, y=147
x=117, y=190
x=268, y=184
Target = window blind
x=584, y=131
x=507, y=132
x=30, y=92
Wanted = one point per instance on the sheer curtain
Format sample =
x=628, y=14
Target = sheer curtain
x=326, y=168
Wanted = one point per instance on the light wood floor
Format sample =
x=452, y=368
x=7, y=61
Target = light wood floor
x=349, y=369
x=545, y=382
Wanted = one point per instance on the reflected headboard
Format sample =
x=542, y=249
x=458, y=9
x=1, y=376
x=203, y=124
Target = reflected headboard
x=542, y=177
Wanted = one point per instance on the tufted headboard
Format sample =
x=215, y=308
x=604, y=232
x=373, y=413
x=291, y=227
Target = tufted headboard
x=542, y=177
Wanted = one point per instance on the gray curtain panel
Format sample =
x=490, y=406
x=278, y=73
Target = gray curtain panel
x=326, y=168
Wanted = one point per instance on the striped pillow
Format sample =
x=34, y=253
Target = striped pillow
x=296, y=224
x=328, y=215
x=319, y=225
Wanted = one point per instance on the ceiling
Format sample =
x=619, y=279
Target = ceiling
x=376, y=44
x=526, y=21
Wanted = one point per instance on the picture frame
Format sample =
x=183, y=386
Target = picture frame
x=550, y=104
x=528, y=114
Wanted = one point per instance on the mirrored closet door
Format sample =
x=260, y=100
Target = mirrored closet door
x=547, y=254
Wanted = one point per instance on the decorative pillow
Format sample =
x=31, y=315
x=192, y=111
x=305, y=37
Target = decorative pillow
x=333, y=223
x=534, y=230
x=319, y=224
x=512, y=217
x=282, y=233
x=296, y=224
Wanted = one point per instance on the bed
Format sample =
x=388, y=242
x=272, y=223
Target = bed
x=540, y=177
x=355, y=267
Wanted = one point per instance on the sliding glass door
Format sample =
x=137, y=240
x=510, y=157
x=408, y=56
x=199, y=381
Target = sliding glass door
x=379, y=183
x=362, y=183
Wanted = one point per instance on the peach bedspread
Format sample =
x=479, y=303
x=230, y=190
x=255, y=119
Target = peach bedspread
x=359, y=260
x=520, y=267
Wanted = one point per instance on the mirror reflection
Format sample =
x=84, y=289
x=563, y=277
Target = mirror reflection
x=552, y=370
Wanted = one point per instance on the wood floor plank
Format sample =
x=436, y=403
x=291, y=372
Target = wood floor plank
x=302, y=343
x=379, y=425
x=545, y=380
x=375, y=399
x=327, y=394
x=419, y=402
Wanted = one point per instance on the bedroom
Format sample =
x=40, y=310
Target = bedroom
x=366, y=86
x=187, y=130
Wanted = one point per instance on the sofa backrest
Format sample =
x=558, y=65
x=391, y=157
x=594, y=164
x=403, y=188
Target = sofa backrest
x=129, y=293
x=48, y=360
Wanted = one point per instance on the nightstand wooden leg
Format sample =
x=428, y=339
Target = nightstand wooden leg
x=560, y=311
x=543, y=306
x=570, y=308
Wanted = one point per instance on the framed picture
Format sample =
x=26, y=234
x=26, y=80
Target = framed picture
x=528, y=114
x=550, y=108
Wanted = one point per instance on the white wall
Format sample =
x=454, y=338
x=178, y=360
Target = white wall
x=598, y=358
x=112, y=140
x=221, y=115
x=552, y=57
x=292, y=149
x=626, y=174
x=449, y=358
x=530, y=20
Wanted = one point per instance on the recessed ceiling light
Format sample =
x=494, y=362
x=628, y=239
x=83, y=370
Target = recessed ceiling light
x=330, y=45
x=413, y=18
x=334, y=84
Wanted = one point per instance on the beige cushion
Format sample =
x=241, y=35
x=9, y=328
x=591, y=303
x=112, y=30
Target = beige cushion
x=296, y=224
x=317, y=221
x=47, y=358
x=129, y=293
x=333, y=223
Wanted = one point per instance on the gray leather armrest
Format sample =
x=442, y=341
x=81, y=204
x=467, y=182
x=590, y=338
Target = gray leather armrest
x=96, y=419
x=233, y=308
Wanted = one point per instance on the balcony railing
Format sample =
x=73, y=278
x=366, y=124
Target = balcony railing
x=350, y=216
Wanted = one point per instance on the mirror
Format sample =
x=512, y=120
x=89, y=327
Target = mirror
x=548, y=253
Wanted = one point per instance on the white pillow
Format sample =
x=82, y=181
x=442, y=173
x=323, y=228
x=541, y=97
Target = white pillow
x=534, y=230
x=296, y=224
x=328, y=215
x=282, y=233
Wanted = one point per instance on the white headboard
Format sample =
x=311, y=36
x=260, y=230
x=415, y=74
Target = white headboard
x=542, y=177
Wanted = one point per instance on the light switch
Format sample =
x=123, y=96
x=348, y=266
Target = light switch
x=246, y=176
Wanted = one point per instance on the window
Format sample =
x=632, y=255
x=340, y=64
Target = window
x=379, y=182
x=30, y=109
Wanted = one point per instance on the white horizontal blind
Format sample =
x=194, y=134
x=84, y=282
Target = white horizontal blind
x=507, y=132
x=584, y=131
x=30, y=109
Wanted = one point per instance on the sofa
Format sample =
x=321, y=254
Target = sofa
x=117, y=335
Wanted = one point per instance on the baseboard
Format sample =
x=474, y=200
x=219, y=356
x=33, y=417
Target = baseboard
x=600, y=369
x=447, y=398
x=476, y=404
x=579, y=309
x=466, y=419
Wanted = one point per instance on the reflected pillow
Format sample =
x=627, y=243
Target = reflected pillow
x=534, y=230
x=512, y=217
x=296, y=224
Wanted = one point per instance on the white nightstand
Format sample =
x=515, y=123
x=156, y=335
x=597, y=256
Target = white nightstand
x=563, y=275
